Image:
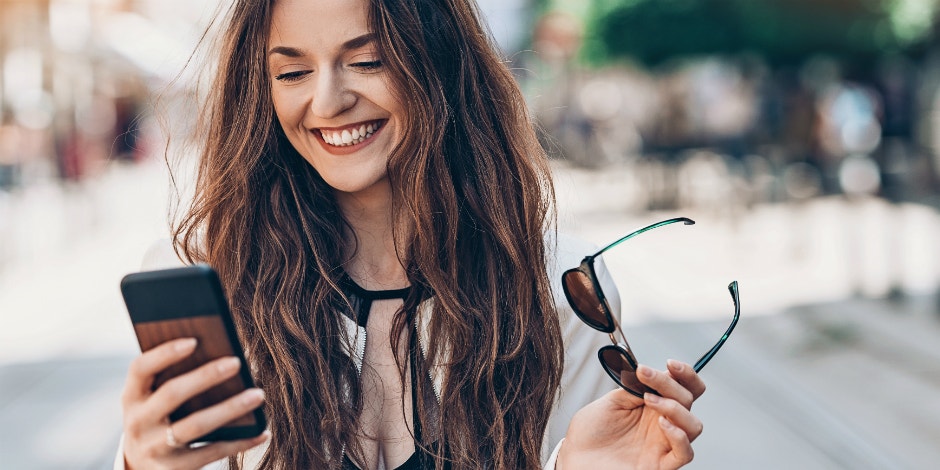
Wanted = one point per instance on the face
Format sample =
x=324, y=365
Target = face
x=331, y=93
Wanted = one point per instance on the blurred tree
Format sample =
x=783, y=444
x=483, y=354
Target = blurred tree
x=783, y=31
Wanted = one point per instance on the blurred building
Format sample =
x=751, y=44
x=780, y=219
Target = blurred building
x=75, y=77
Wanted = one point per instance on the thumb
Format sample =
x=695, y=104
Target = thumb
x=681, y=452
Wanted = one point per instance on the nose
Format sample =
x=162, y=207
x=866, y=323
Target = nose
x=331, y=95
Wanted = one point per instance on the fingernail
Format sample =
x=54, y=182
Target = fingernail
x=675, y=365
x=651, y=397
x=665, y=424
x=228, y=364
x=645, y=371
x=185, y=345
x=253, y=397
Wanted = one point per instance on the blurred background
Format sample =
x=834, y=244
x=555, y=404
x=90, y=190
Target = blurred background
x=803, y=136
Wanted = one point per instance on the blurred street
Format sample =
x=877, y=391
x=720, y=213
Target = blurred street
x=808, y=379
x=803, y=137
x=66, y=341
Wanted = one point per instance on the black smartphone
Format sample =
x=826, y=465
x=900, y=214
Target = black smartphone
x=189, y=302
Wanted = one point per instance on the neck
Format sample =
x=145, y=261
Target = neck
x=376, y=264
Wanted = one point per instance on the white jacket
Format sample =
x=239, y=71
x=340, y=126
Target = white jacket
x=583, y=380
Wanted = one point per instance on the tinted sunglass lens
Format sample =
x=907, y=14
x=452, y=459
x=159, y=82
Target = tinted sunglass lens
x=622, y=368
x=584, y=299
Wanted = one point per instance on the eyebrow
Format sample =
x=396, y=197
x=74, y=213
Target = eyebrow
x=359, y=41
x=354, y=43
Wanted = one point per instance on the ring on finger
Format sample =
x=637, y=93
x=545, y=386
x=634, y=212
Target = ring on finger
x=171, y=439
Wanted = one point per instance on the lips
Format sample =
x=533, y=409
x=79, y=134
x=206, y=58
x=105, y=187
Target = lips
x=349, y=136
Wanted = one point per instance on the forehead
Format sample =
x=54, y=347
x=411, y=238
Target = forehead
x=317, y=24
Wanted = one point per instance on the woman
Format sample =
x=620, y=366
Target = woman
x=374, y=199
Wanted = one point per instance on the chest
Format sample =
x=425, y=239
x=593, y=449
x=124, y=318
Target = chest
x=383, y=386
x=386, y=421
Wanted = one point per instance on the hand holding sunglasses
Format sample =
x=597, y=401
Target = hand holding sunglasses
x=589, y=303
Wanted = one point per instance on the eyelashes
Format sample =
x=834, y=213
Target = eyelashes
x=291, y=76
x=288, y=77
x=370, y=65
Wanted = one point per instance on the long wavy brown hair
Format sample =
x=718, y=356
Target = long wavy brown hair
x=472, y=191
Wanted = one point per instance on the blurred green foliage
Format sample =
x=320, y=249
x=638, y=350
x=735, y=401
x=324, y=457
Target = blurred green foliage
x=782, y=31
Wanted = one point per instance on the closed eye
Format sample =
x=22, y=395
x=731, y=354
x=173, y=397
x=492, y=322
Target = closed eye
x=291, y=76
x=370, y=65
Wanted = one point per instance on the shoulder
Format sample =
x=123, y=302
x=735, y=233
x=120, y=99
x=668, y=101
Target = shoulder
x=565, y=251
x=583, y=380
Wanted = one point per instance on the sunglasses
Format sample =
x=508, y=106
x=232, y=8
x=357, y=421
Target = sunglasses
x=589, y=303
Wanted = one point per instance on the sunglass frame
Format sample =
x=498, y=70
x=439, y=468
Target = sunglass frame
x=623, y=348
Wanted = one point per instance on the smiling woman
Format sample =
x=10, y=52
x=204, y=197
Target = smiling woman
x=374, y=199
x=328, y=83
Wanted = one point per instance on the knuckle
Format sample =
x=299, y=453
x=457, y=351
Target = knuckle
x=174, y=392
x=132, y=428
x=234, y=405
x=127, y=399
x=151, y=452
x=134, y=423
x=178, y=466
x=219, y=371
x=137, y=366
x=225, y=450
x=218, y=450
x=209, y=370
x=673, y=407
x=223, y=367
x=183, y=429
x=166, y=466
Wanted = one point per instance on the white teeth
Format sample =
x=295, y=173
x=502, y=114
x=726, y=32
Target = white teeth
x=349, y=137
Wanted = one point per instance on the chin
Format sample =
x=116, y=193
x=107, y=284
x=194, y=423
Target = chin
x=358, y=185
x=352, y=174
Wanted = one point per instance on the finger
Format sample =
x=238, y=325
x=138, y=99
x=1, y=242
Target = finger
x=681, y=452
x=687, y=377
x=663, y=383
x=677, y=414
x=201, y=456
x=145, y=367
x=177, y=390
x=209, y=419
x=621, y=399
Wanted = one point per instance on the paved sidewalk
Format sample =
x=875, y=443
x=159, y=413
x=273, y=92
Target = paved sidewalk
x=847, y=385
x=61, y=414
x=808, y=380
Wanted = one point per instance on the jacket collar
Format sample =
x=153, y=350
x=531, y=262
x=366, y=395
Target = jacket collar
x=357, y=347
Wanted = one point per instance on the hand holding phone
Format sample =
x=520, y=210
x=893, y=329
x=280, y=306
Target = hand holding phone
x=192, y=383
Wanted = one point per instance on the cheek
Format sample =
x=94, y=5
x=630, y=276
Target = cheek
x=398, y=114
x=290, y=112
x=294, y=136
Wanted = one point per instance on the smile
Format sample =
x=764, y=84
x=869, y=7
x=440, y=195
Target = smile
x=352, y=135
